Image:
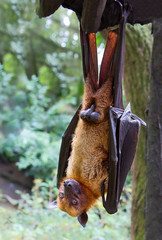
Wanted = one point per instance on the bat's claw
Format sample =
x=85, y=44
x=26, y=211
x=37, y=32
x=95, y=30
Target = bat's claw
x=90, y=115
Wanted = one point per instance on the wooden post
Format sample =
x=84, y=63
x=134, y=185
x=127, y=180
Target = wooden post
x=153, y=198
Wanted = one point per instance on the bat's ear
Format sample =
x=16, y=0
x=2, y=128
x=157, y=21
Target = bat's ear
x=83, y=218
x=53, y=205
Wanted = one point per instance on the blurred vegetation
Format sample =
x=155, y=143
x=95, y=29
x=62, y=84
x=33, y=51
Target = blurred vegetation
x=30, y=128
x=41, y=85
x=47, y=48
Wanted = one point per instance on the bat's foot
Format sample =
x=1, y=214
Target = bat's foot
x=90, y=115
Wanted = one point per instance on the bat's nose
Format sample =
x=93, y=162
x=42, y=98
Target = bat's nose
x=67, y=183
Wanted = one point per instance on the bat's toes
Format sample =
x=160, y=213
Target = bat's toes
x=85, y=115
x=95, y=116
x=89, y=116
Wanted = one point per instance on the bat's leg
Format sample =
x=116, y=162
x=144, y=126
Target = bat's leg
x=88, y=111
x=98, y=97
x=97, y=94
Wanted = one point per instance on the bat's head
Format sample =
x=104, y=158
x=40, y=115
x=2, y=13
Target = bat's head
x=75, y=199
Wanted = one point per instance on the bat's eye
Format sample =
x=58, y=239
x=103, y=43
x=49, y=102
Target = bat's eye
x=61, y=195
x=74, y=202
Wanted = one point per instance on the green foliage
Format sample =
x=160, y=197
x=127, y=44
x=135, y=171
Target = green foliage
x=31, y=127
x=37, y=223
x=40, y=84
x=48, y=48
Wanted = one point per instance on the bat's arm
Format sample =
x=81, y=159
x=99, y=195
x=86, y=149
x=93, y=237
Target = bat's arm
x=119, y=57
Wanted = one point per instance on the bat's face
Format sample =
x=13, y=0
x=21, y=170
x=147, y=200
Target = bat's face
x=73, y=199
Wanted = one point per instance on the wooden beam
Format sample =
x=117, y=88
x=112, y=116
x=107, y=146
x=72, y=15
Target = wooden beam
x=97, y=15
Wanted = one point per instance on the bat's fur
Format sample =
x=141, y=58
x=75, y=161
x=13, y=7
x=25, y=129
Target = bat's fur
x=88, y=162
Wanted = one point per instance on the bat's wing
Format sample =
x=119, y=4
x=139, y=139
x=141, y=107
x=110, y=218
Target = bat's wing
x=66, y=147
x=124, y=132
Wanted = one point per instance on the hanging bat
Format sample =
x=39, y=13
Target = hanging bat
x=88, y=162
x=99, y=145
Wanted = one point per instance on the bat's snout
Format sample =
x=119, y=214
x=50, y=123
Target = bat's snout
x=71, y=186
x=67, y=183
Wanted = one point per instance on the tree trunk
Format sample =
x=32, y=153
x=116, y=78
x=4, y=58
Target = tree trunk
x=136, y=85
x=153, y=201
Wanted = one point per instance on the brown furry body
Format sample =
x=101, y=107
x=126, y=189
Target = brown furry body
x=88, y=162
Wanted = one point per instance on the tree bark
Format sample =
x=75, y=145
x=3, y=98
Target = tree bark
x=153, y=200
x=136, y=86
